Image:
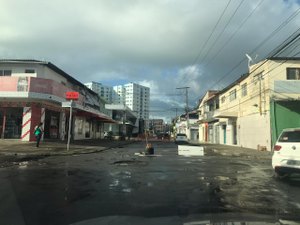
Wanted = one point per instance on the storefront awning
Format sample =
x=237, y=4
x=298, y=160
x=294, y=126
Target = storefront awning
x=211, y=120
x=97, y=116
x=89, y=112
x=226, y=114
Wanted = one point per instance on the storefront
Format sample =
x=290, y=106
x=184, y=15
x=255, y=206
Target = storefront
x=11, y=122
x=51, y=127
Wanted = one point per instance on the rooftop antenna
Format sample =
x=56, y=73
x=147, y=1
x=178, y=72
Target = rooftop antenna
x=249, y=61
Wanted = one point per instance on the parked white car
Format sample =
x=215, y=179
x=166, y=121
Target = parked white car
x=181, y=138
x=286, y=156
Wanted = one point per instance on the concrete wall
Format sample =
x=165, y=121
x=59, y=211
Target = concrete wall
x=81, y=127
x=254, y=131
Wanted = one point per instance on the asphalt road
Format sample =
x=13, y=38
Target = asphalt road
x=118, y=184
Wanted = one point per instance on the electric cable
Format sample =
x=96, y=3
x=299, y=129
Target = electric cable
x=208, y=39
x=284, y=23
x=221, y=33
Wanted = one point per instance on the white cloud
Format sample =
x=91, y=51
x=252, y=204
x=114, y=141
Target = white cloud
x=153, y=42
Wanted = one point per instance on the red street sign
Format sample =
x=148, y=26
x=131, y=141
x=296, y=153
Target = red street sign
x=72, y=95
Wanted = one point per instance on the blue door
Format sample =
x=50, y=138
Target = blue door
x=224, y=133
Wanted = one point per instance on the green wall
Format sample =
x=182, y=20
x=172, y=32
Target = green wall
x=284, y=114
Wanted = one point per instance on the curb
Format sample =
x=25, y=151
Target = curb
x=52, y=152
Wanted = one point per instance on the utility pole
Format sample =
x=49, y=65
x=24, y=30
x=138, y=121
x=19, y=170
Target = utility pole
x=176, y=109
x=259, y=77
x=186, y=98
x=186, y=104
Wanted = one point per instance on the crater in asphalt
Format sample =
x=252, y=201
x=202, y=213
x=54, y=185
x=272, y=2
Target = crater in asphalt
x=129, y=162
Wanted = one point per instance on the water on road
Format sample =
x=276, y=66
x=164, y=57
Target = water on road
x=68, y=189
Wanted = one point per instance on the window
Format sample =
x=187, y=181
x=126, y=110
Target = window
x=223, y=99
x=217, y=104
x=29, y=71
x=5, y=72
x=232, y=95
x=244, y=89
x=290, y=136
x=293, y=73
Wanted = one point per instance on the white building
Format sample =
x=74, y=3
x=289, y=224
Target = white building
x=137, y=98
x=118, y=95
x=134, y=96
x=103, y=91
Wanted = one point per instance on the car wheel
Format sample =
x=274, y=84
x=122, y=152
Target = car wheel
x=280, y=175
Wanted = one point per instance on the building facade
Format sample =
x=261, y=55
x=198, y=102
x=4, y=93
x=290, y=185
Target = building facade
x=103, y=91
x=188, y=124
x=34, y=91
x=208, y=131
x=157, y=126
x=136, y=97
x=254, y=109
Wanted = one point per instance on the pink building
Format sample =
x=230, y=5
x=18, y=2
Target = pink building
x=34, y=91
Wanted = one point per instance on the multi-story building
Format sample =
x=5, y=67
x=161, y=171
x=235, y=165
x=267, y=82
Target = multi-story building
x=207, y=123
x=103, y=91
x=254, y=109
x=157, y=125
x=188, y=124
x=135, y=96
x=34, y=91
x=118, y=95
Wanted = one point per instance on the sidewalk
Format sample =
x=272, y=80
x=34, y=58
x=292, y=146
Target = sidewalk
x=235, y=151
x=55, y=148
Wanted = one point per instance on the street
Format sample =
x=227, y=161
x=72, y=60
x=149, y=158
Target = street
x=117, y=183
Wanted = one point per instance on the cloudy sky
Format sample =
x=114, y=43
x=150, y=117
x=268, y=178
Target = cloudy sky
x=162, y=44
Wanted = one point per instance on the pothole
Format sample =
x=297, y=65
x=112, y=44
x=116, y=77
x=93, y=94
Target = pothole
x=129, y=162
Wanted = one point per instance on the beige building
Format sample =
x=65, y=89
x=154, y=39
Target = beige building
x=207, y=123
x=254, y=109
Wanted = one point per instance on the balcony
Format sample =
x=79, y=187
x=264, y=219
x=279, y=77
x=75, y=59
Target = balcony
x=32, y=87
x=207, y=117
x=225, y=114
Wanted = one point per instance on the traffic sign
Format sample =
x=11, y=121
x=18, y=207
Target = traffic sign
x=72, y=95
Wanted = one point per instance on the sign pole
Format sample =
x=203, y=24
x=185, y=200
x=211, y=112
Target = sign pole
x=70, y=122
x=71, y=95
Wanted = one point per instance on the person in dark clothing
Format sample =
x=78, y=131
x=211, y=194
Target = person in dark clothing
x=38, y=132
x=149, y=150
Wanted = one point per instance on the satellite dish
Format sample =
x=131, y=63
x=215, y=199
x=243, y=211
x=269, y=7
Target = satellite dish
x=249, y=60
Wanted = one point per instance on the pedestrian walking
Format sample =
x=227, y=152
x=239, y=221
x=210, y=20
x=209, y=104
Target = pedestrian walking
x=38, y=132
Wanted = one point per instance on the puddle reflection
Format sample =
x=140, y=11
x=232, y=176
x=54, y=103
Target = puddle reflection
x=120, y=182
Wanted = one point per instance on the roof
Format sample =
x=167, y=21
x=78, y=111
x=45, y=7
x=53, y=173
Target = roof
x=241, y=78
x=284, y=58
x=50, y=66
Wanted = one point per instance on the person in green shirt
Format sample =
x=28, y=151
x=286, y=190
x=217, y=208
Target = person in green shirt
x=38, y=132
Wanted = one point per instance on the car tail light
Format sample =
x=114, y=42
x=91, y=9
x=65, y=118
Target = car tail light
x=277, y=148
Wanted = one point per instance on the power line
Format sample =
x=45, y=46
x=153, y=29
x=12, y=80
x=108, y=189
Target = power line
x=262, y=43
x=186, y=97
x=288, y=42
x=234, y=33
x=225, y=27
x=253, y=82
x=209, y=37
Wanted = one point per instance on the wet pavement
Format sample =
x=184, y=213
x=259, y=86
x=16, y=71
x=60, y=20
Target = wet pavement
x=15, y=152
x=117, y=183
